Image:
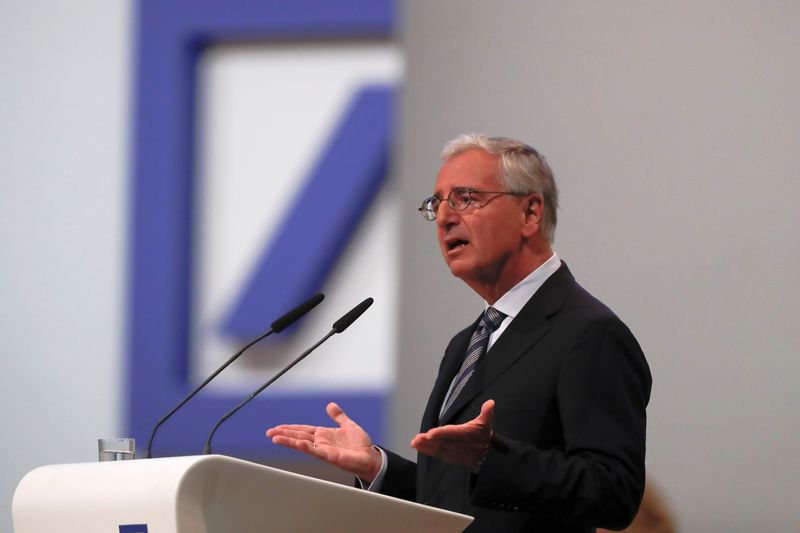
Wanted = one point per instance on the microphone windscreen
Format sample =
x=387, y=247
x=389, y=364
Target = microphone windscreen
x=292, y=316
x=351, y=316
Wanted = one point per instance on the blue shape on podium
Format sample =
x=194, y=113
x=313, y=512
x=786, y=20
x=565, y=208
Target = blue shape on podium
x=133, y=528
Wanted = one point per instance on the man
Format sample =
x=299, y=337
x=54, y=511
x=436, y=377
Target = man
x=537, y=420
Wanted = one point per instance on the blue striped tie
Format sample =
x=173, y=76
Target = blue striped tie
x=489, y=322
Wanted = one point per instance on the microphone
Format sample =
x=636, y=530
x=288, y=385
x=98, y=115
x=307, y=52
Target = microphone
x=276, y=327
x=350, y=317
x=338, y=327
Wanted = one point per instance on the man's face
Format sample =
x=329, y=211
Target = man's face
x=481, y=243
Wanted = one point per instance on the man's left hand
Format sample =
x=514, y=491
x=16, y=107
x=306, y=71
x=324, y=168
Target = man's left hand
x=464, y=444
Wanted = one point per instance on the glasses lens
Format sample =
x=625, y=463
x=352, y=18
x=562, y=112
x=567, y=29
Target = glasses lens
x=460, y=198
x=429, y=207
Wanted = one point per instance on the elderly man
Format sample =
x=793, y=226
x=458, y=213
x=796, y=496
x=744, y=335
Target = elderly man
x=536, y=421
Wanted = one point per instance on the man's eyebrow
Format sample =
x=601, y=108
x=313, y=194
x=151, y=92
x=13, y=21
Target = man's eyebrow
x=440, y=195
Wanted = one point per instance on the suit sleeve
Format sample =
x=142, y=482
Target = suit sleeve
x=597, y=478
x=400, y=478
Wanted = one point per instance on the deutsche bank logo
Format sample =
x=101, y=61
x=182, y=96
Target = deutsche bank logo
x=324, y=215
x=174, y=314
x=291, y=203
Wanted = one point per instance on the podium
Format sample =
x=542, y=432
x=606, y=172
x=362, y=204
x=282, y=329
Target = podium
x=208, y=494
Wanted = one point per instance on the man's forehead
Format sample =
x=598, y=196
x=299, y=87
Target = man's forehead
x=474, y=169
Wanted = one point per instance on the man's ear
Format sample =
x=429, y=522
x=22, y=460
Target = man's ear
x=534, y=210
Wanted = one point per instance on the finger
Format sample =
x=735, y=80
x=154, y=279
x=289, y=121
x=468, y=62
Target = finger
x=439, y=433
x=294, y=427
x=306, y=435
x=446, y=437
x=304, y=442
x=450, y=432
x=337, y=414
x=418, y=438
x=301, y=445
x=426, y=447
x=483, y=420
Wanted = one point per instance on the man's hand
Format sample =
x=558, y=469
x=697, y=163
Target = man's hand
x=464, y=444
x=348, y=447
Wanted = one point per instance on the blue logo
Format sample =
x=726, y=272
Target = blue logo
x=346, y=177
x=338, y=191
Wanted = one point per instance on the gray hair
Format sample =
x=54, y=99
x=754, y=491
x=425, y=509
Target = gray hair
x=522, y=170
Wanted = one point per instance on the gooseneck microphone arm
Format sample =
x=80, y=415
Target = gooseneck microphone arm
x=276, y=327
x=338, y=327
x=207, y=447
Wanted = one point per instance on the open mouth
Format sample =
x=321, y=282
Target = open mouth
x=455, y=244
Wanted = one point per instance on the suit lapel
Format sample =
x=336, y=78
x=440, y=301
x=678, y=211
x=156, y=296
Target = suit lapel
x=527, y=328
x=451, y=363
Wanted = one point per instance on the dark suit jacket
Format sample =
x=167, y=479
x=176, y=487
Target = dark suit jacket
x=571, y=385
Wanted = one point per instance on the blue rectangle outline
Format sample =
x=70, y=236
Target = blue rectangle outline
x=171, y=35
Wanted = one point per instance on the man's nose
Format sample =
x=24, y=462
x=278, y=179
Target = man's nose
x=446, y=216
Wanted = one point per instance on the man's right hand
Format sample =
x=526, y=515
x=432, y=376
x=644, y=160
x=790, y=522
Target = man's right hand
x=348, y=446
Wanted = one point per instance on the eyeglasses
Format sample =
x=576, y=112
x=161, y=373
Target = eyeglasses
x=459, y=199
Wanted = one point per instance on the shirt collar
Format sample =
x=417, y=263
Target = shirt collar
x=512, y=302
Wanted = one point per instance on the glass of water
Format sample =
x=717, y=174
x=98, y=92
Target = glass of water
x=117, y=449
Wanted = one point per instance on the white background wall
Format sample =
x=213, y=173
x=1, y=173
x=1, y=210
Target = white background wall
x=64, y=74
x=672, y=130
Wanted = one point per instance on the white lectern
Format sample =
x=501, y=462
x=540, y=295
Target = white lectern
x=207, y=494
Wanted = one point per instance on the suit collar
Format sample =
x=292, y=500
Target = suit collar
x=549, y=299
x=512, y=302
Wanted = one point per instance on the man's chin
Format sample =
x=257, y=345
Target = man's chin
x=460, y=268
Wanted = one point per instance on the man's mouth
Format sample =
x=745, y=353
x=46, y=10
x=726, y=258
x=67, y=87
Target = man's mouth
x=455, y=244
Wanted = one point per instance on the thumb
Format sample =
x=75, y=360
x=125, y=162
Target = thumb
x=487, y=413
x=337, y=414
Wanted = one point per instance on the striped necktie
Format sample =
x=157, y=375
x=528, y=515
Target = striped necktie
x=489, y=322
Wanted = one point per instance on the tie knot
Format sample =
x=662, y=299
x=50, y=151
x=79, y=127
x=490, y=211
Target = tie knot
x=492, y=318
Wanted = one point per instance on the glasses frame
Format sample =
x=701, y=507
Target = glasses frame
x=430, y=213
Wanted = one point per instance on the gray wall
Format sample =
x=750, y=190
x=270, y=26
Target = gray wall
x=672, y=129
